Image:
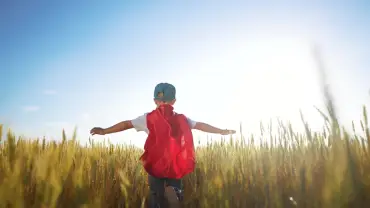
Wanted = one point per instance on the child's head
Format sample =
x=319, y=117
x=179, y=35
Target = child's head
x=164, y=93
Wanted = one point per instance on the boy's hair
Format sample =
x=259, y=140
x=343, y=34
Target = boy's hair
x=165, y=92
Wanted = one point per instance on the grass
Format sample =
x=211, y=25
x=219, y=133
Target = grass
x=316, y=169
x=295, y=170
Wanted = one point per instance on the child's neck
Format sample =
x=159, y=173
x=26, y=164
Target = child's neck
x=164, y=105
x=166, y=109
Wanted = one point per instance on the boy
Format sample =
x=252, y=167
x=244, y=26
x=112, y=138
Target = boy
x=169, y=150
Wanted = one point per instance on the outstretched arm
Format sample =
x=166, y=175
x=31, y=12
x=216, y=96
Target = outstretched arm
x=121, y=126
x=211, y=129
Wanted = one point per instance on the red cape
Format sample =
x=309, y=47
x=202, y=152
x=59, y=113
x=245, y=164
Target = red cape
x=169, y=148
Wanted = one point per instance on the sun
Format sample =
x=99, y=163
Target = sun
x=276, y=78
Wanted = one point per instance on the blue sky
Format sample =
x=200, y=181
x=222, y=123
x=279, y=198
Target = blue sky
x=95, y=64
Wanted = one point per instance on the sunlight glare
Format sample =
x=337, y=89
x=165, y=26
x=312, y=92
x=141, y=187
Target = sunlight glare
x=275, y=79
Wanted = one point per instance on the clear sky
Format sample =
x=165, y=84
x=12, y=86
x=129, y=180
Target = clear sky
x=95, y=64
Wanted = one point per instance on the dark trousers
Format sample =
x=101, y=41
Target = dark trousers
x=157, y=190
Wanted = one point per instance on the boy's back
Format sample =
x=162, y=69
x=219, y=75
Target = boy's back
x=169, y=149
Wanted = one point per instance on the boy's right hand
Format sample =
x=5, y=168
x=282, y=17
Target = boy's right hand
x=227, y=132
x=97, y=130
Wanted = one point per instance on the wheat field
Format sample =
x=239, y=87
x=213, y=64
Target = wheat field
x=325, y=169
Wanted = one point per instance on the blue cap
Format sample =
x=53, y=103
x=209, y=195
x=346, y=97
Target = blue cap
x=165, y=92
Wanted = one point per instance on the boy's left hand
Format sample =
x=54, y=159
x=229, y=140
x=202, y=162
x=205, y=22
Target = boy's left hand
x=227, y=132
x=97, y=130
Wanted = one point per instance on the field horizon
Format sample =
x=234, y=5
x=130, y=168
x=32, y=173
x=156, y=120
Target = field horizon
x=326, y=169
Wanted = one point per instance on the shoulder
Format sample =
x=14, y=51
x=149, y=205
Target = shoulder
x=141, y=116
x=139, y=123
x=190, y=121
